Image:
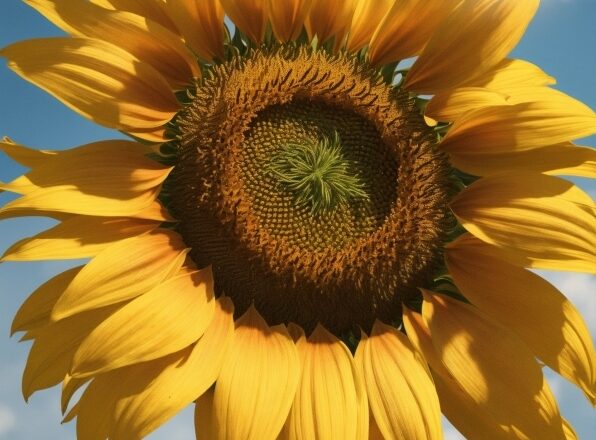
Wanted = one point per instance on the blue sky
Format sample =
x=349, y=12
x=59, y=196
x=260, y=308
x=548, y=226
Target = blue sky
x=560, y=40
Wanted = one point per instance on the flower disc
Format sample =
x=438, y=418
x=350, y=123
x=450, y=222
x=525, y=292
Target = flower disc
x=252, y=128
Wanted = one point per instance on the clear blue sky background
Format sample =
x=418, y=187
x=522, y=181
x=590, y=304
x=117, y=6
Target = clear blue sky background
x=560, y=40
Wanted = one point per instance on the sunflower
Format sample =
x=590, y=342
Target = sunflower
x=304, y=236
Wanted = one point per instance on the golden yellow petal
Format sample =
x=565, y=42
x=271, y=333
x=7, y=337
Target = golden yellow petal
x=530, y=306
x=153, y=9
x=37, y=308
x=493, y=366
x=406, y=28
x=155, y=211
x=471, y=419
x=28, y=157
x=205, y=420
x=55, y=344
x=287, y=17
x=451, y=105
x=70, y=200
x=258, y=381
x=511, y=73
x=96, y=79
x=96, y=168
x=474, y=38
x=401, y=393
x=536, y=220
x=330, y=402
x=366, y=19
x=167, y=319
x=153, y=392
x=537, y=117
x=249, y=15
x=570, y=433
x=123, y=271
x=201, y=23
x=145, y=39
x=77, y=237
x=94, y=409
x=374, y=433
x=329, y=18
x=157, y=135
x=70, y=386
x=564, y=159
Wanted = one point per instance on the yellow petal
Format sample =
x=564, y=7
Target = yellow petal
x=470, y=418
x=201, y=23
x=155, y=135
x=153, y=392
x=477, y=36
x=374, y=433
x=366, y=19
x=77, y=237
x=329, y=18
x=249, y=15
x=155, y=211
x=570, y=433
x=287, y=17
x=69, y=199
x=153, y=9
x=540, y=117
x=52, y=352
x=205, y=427
x=167, y=319
x=536, y=220
x=564, y=159
x=493, y=366
x=406, y=28
x=143, y=38
x=451, y=105
x=118, y=164
x=122, y=271
x=70, y=385
x=94, y=410
x=511, y=73
x=36, y=310
x=96, y=79
x=330, y=402
x=400, y=390
x=258, y=381
x=25, y=156
x=525, y=303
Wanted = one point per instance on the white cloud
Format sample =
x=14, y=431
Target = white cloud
x=7, y=420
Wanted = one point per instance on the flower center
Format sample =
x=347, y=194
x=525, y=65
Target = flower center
x=318, y=174
x=312, y=187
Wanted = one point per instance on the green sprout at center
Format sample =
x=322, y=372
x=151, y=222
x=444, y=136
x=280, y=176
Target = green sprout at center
x=317, y=174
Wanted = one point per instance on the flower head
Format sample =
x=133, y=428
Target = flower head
x=295, y=238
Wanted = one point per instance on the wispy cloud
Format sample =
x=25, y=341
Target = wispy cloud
x=7, y=420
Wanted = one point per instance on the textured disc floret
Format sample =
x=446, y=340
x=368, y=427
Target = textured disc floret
x=312, y=186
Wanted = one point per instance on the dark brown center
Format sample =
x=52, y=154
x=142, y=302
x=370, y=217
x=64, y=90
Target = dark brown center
x=310, y=230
